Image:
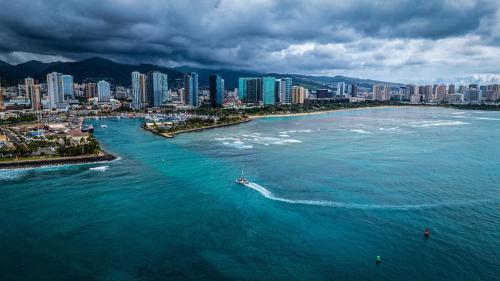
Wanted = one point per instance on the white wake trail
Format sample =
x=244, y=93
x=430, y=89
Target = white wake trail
x=268, y=194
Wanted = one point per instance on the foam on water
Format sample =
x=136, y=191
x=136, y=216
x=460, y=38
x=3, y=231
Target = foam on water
x=100, y=168
x=424, y=124
x=269, y=195
x=360, y=131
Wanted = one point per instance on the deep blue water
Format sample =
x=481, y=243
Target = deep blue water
x=329, y=192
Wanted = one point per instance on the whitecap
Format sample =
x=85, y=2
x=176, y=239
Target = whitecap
x=360, y=131
x=439, y=123
x=100, y=168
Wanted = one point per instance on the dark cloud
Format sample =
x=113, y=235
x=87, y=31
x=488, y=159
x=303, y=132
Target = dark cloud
x=286, y=36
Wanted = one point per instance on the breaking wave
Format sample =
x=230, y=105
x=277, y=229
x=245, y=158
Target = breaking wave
x=100, y=168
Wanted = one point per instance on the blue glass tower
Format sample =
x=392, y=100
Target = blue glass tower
x=216, y=87
x=191, y=88
x=268, y=84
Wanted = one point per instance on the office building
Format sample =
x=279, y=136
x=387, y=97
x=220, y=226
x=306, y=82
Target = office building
x=191, y=89
x=104, y=91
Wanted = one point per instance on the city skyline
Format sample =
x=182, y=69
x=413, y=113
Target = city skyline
x=424, y=42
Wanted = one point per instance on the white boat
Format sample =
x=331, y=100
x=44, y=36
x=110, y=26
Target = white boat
x=104, y=126
x=242, y=180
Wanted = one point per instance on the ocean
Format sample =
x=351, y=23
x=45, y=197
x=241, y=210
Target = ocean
x=328, y=193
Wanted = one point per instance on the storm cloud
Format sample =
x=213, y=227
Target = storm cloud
x=402, y=40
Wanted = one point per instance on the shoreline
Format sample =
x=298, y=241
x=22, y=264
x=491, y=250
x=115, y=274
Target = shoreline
x=36, y=163
x=318, y=112
x=173, y=134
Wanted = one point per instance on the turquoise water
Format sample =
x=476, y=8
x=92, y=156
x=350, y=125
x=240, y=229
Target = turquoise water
x=329, y=193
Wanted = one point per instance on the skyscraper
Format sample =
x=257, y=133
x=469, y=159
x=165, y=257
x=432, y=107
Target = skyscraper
x=278, y=90
x=341, y=90
x=36, y=100
x=191, y=88
x=157, y=89
x=29, y=86
x=103, y=91
x=137, y=88
x=67, y=85
x=250, y=89
x=55, y=89
x=268, y=84
x=288, y=90
x=216, y=87
x=354, y=90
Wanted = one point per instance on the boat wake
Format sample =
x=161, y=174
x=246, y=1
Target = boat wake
x=269, y=195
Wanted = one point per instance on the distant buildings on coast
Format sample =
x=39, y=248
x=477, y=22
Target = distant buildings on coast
x=59, y=92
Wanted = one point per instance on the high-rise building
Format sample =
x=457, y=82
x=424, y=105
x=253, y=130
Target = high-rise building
x=288, y=90
x=55, y=89
x=250, y=89
x=36, y=98
x=278, y=90
x=103, y=91
x=440, y=93
x=354, y=90
x=90, y=90
x=216, y=87
x=381, y=92
x=341, y=90
x=268, y=84
x=298, y=94
x=427, y=94
x=157, y=89
x=67, y=82
x=451, y=89
x=191, y=88
x=29, y=86
x=138, y=90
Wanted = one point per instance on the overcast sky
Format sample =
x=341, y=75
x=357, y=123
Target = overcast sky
x=392, y=40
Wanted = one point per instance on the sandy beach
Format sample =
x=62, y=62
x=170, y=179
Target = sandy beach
x=316, y=112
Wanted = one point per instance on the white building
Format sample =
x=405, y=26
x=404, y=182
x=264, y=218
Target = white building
x=103, y=91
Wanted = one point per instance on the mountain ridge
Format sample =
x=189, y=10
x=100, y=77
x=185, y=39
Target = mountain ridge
x=119, y=73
